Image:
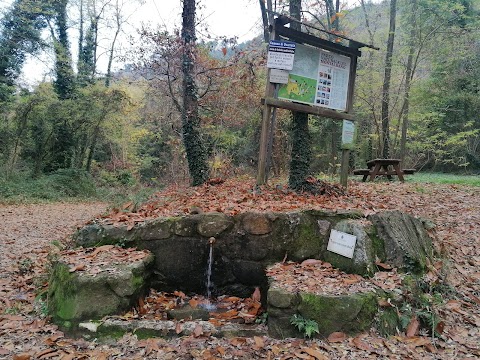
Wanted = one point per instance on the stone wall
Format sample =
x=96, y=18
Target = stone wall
x=247, y=243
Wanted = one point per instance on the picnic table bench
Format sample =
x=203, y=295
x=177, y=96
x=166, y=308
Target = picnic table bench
x=383, y=167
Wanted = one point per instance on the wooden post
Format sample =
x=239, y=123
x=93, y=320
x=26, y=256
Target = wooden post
x=344, y=167
x=266, y=131
x=262, y=157
x=346, y=151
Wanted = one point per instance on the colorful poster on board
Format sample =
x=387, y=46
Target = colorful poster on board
x=318, y=77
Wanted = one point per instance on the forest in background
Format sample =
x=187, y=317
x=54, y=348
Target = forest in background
x=126, y=126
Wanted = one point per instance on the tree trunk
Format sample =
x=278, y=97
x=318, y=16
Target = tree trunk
x=301, y=143
x=266, y=33
x=64, y=82
x=386, y=82
x=196, y=155
x=408, y=79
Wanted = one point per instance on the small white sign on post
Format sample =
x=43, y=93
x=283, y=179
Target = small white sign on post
x=281, y=54
x=342, y=243
x=278, y=76
x=348, y=132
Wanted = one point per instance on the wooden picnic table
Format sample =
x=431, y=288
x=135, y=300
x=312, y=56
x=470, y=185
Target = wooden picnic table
x=383, y=167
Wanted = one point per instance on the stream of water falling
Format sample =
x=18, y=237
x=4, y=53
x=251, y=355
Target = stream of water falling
x=209, y=306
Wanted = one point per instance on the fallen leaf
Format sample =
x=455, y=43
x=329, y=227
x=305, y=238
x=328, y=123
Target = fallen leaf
x=440, y=327
x=413, y=327
x=100, y=249
x=315, y=353
x=362, y=345
x=259, y=343
x=384, y=302
x=198, y=331
x=178, y=328
x=78, y=267
x=23, y=356
x=336, y=337
x=300, y=355
x=193, y=303
x=256, y=296
x=311, y=262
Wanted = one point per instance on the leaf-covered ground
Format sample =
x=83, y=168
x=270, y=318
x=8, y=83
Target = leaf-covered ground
x=27, y=233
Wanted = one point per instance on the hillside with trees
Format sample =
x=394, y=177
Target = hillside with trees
x=138, y=124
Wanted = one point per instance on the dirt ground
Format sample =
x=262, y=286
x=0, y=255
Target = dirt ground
x=29, y=233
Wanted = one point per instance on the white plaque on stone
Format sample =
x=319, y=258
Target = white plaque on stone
x=342, y=243
x=278, y=76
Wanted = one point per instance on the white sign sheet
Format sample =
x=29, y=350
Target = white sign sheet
x=342, y=243
x=348, y=131
x=281, y=54
x=278, y=76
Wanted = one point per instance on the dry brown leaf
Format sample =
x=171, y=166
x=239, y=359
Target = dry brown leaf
x=198, y=331
x=221, y=350
x=413, y=327
x=362, y=345
x=257, y=296
x=384, y=303
x=178, y=328
x=336, y=337
x=259, y=343
x=100, y=249
x=311, y=262
x=417, y=341
x=22, y=356
x=315, y=353
x=193, y=303
x=440, y=327
x=238, y=341
x=300, y=355
x=78, y=267
x=42, y=353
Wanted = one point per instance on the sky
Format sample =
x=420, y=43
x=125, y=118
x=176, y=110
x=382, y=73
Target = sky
x=240, y=18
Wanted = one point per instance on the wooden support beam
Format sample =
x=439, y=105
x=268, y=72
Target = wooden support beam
x=314, y=110
x=317, y=42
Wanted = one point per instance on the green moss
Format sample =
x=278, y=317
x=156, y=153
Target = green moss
x=345, y=264
x=61, y=292
x=307, y=242
x=348, y=313
x=137, y=281
x=148, y=333
x=414, y=265
x=387, y=322
x=110, y=332
x=378, y=245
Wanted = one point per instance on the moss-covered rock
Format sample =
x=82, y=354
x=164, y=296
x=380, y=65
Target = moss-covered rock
x=306, y=240
x=213, y=224
x=351, y=313
x=406, y=242
x=257, y=223
x=280, y=298
x=106, y=289
x=161, y=228
x=363, y=261
x=97, y=235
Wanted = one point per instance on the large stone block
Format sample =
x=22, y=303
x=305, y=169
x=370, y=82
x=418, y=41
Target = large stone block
x=406, y=242
x=213, y=224
x=89, y=290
